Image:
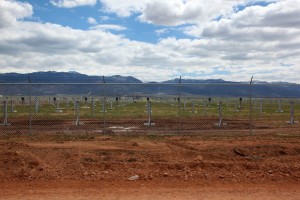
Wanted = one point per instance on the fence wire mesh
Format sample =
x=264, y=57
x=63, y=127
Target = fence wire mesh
x=148, y=108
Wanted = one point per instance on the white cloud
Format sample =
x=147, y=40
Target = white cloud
x=124, y=8
x=105, y=27
x=255, y=47
x=91, y=20
x=179, y=12
x=284, y=14
x=175, y=12
x=72, y=3
x=274, y=23
x=11, y=11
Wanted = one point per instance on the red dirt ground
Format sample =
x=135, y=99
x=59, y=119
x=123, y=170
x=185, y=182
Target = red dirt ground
x=205, y=166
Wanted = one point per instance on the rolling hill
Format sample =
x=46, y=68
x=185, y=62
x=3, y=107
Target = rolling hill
x=73, y=83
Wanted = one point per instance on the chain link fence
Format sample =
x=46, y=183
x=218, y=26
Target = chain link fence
x=148, y=108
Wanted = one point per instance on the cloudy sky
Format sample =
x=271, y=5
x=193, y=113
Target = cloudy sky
x=153, y=39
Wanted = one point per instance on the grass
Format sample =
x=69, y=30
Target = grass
x=136, y=113
x=159, y=110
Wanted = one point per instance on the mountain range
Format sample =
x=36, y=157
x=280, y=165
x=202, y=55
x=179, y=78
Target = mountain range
x=73, y=83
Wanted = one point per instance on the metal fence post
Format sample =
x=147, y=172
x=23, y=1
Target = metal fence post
x=93, y=106
x=220, y=115
x=5, y=114
x=250, y=107
x=103, y=106
x=292, y=120
x=77, y=123
x=179, y=106
x=30, y=114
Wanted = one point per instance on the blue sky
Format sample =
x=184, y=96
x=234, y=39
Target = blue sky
x=153, y=40
x=77, y=18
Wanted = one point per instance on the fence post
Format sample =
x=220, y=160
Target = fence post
x=220, y=115
x=77, y=123
x=179, y=105
x=250, y=109
x=93, y=106
x=5, y=113
x=30, y=114
x=292, y=120
x=103, y=106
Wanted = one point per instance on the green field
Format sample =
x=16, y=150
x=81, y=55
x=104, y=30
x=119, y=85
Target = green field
x=168, y=115
x=160, y=109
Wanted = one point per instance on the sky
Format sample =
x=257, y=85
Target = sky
x=153, y=40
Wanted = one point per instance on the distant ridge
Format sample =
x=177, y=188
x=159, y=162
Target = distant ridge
x=75, y=77
x=209, y=87
x=63, y=77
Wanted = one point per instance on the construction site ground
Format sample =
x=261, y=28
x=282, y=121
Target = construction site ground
x=205, y=165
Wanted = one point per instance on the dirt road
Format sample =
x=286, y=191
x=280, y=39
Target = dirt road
x=145, y=190
x=47, y=166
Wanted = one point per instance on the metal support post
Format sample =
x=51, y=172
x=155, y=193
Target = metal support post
x=250, y=106
x=149, y=110
x=5, y=114
x=77, y=123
